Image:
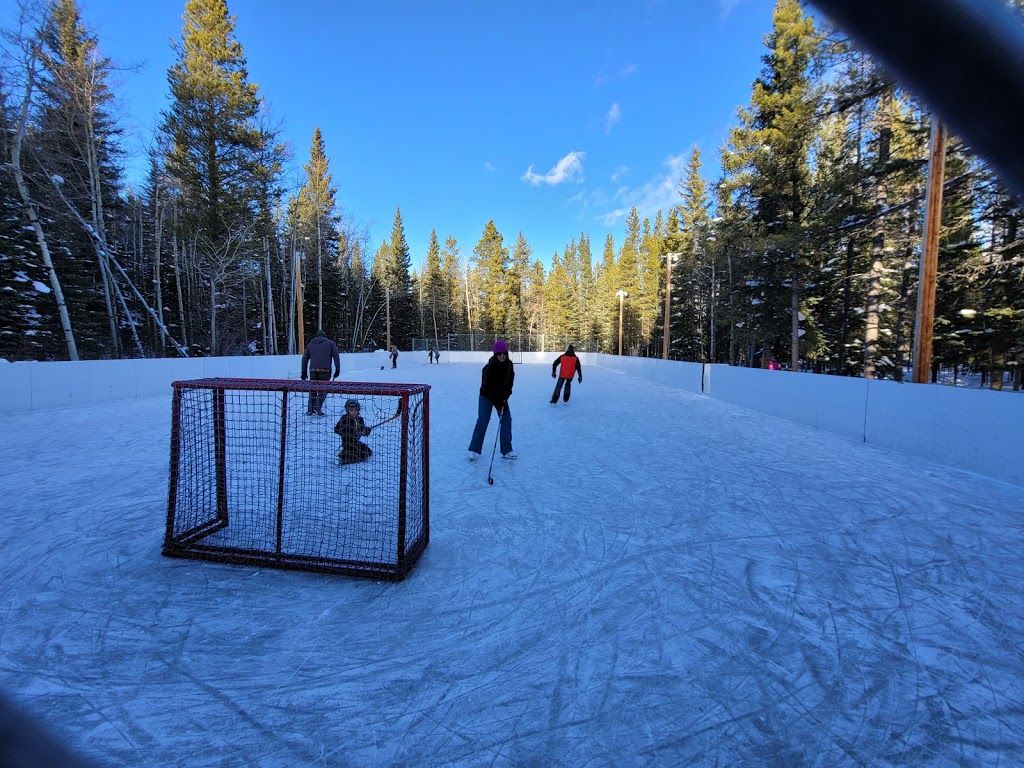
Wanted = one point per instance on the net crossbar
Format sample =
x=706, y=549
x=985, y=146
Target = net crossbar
x=257, y=479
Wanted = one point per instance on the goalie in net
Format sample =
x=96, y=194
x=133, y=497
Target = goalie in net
x=254, y=481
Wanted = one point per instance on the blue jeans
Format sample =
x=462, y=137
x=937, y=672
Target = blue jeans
x=483, y=419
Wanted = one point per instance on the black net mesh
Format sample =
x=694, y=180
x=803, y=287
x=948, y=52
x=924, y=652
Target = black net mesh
x=255, y=478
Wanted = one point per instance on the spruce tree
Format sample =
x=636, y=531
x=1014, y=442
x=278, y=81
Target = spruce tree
x=215, y=148
x=491, y=258
x=325, y=264
x=768, y=159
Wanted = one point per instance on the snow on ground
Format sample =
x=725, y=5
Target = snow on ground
x=659, y=579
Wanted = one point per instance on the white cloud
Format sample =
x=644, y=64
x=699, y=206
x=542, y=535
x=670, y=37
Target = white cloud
x=489, y=166
x=569, y=168
x=727, y=7
x=619, y=174
x=622, y=74
x=613, y=116
x=660, y=193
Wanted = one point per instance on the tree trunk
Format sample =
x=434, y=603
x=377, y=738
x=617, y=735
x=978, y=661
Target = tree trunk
x=213, y=317
x=30, y=207
x=874, y=297
x=794, y=309
x=902, y=342
x=271, y=331
x=177, y=283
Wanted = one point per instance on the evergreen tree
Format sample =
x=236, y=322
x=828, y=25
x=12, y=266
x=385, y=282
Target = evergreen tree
x=391, y=266
x=325, y=266
x=768, y=155
x=215, y=145
x=455, y=320
x=627, y=272
x=607, y=302
x=496, y=299
x=435, y=294
x=518, y=277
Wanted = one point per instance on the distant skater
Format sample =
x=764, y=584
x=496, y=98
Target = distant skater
x=351, y=428
x=495, y=389
x=319, y=354
x=567, y=365
x=433, y=356
x=394, y=356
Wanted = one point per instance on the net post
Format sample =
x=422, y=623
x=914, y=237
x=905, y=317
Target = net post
x=281, y=471
x=426, y=468
x=172, y=486
x=220, y=453
x=403, y=482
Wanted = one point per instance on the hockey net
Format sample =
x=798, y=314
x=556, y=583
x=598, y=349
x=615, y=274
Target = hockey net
x=255, y=480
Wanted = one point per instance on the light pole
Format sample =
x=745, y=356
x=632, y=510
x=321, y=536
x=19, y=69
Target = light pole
x=670, y=259
x=622, y=295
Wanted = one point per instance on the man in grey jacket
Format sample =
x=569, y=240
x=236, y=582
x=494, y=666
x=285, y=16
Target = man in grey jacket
x=318, y=356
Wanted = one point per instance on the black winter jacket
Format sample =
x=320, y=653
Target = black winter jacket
x=496, y=380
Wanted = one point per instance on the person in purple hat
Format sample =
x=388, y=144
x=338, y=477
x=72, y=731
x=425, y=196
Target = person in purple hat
x=495, y=390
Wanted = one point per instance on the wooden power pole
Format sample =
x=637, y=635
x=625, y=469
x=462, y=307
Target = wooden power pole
x=298, y=303
x=929, y=267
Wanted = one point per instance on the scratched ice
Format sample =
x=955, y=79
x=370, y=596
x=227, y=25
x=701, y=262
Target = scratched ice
x=659, y=579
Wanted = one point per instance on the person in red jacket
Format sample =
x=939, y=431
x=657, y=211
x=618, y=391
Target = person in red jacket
x=564, y=368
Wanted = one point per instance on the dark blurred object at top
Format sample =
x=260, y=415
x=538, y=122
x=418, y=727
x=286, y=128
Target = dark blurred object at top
x=964, y=58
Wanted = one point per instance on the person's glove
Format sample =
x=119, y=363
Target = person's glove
x=579, y=379
x=303, y=377
x=552, y=374
x=366, y=430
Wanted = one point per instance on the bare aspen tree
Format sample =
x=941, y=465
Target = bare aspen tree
x=30, y=48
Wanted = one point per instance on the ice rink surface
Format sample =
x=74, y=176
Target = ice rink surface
x=659, y=579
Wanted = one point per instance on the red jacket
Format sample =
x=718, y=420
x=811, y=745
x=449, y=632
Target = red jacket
x=570, y=365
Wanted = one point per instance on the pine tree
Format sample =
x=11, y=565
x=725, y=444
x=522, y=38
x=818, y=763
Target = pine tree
x=435, y=296
x=455, y=320
x=627, y=272
x=391, y=267
x=496, y=300
x=216, y=146
x=325, y=266
x=518, y=277
x=607, y=303
x=768, y=156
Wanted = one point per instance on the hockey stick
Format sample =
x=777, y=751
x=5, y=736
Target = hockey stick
x=390, y=418
x=490, y=480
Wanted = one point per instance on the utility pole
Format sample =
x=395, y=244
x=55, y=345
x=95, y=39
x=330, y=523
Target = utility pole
x=622, y=295
x=929, y=267
x=298, y=301
x=670, y=259
x=387, y=302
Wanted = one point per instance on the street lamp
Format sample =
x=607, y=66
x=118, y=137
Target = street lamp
x=670, y=259
x=622, y=295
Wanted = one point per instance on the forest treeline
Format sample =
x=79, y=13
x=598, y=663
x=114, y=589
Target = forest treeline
x=805, y=250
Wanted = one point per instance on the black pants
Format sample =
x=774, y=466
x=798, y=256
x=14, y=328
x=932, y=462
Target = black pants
x=316, y=399
x=353, y=451
x=558, y=388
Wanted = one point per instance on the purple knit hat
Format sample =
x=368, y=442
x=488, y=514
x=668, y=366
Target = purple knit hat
x=499, y=347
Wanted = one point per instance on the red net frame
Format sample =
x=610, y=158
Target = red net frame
x=254, y=480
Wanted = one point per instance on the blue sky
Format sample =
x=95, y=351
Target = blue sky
x=550, y=118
